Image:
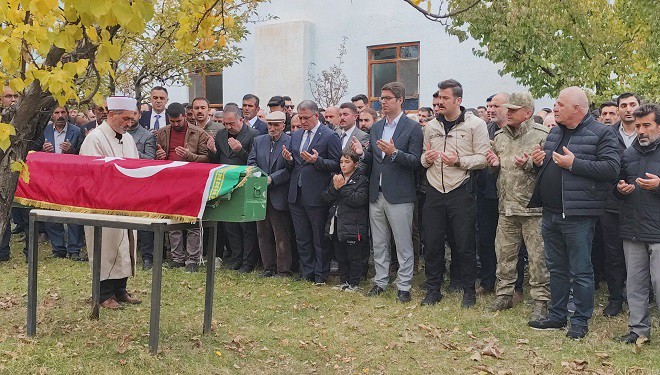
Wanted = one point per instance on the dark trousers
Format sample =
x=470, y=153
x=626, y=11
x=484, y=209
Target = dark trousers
x=242, y=238
x=349, y=256
x=419, y=207
x=74, y=238
x=113, y=287
x=520, y=267
x=455, y=259
x=487, y=216
x=274, y=233
x=597, y=255
x=457, y=210
x=614, y=260
x=146, y=239
x=21, y=218
x=567, y=243
x=4, y=242
x=310, y=232
x=221, y=246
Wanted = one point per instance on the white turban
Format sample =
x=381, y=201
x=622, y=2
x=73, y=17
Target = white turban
x=121, y=103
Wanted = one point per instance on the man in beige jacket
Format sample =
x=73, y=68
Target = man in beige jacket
x=456, y=143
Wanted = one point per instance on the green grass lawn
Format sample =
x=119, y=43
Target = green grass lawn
x=283, y=327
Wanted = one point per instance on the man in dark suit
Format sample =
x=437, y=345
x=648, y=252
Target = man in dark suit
x=232, y=145
x=101, y=114
x=395, y=148
x=61, y=137
x=250, y=110
x=313, y=158
x=274, y=232
x=156, y=118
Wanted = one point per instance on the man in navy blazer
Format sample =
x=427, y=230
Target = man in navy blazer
x=395, y=149
x=274, y=232
x=156, y=118
x=312, y=158
x=61, y=137
x=250, y=110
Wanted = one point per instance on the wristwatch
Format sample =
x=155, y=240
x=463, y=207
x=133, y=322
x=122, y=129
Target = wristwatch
x=457, y=164
x=394, y=154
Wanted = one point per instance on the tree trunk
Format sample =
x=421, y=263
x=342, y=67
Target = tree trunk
x=30, y=119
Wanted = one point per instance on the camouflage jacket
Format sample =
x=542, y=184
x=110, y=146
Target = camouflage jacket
x=515, y=185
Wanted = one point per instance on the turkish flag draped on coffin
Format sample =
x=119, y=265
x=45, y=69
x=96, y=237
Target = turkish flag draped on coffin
x=132, y=187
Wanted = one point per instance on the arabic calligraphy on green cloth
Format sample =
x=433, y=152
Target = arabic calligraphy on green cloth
x=226, y=179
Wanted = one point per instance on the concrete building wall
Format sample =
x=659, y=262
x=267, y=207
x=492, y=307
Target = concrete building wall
x=278, y=52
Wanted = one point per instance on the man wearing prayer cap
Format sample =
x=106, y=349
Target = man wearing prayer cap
x=118, y=246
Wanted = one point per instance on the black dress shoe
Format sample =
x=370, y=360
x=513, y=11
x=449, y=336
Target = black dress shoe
x=403, y=296
x=236, y=266
x=630, y=338
x=58, y=255
x=267, y=273
x=613, y=309
x=78, y=258
x=174, y=264
x=375, y=291
x=469, y=300
x=577, y=332
x=147, y=264
x=18, y=229
x=545, y=323
x=245, y=269
x=454, y=286
x=432, y=297
x=192, y=267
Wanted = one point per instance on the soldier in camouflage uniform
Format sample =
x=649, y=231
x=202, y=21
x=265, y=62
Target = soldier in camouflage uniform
x=516, y=178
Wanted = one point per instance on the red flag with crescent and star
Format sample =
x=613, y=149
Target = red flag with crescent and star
x=134, y=187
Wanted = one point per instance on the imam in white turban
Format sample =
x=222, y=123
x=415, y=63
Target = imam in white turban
x=121, y=103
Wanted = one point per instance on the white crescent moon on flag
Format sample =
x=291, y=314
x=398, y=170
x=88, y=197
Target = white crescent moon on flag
x=149, y=171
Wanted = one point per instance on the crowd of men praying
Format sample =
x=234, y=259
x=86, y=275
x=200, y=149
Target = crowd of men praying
x=554, y=201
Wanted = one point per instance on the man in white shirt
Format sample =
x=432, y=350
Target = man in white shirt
x=348, y=115
x=156, y=119
x=250, y=109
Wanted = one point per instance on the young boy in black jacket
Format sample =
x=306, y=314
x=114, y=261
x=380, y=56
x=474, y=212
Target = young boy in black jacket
x=348, y=219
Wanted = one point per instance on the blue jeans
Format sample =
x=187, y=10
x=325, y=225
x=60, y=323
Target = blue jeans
x=567, y=244
x=74, y=238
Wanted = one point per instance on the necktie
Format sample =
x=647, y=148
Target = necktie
x=305, y=146
x=157, y=123
x=343, y=136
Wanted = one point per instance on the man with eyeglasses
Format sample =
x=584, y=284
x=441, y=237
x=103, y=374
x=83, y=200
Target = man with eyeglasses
x=312, y=159
x=288, y=106
x=156, y=118
x=456, y=143
x=395, y=146
x=101, y=114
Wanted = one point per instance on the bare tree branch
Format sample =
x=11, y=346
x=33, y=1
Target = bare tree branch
x=442, y=18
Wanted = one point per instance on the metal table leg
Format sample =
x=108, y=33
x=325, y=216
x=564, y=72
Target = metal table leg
x=32, y=277
x=96, y=273
x=210, y=278
x=156, y=281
